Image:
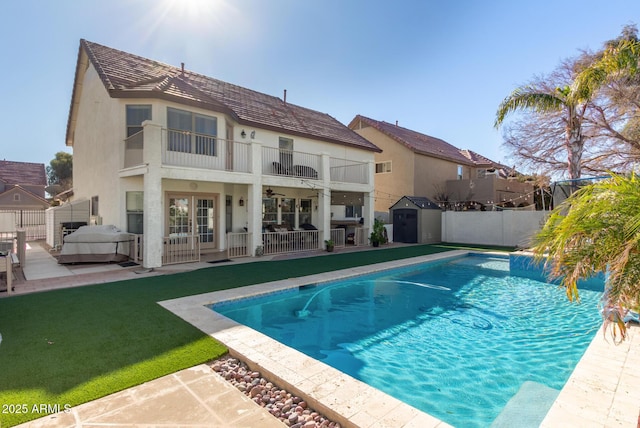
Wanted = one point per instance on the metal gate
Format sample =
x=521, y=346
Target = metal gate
x=31, y=221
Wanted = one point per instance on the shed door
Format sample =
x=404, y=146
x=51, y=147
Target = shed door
x=405, y=226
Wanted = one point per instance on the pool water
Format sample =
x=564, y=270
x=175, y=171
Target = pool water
x=456, y=339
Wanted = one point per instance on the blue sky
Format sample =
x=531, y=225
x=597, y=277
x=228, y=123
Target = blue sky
x=437, y=67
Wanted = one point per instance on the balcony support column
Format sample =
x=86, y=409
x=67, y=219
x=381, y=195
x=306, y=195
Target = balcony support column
x=368, y=211
x=254, y=199
x=152, y=200
x=324, y=199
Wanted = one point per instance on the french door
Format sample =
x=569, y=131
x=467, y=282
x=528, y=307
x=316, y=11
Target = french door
x=191, y=215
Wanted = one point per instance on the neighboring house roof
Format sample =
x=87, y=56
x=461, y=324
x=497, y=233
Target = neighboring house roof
x=504, y=171
x=126, y=75
x=23, y=173
x=24, y=193
x=477, y=158
x=420, y=202
x=417, y=142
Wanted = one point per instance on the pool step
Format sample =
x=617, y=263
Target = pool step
x=528, y=407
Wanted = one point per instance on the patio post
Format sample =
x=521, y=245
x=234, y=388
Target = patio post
x=152, y=200
x=324, y=200
x=254, y=199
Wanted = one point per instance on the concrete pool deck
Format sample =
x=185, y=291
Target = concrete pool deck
x=603, y=390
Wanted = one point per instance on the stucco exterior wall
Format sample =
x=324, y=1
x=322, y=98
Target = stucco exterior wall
x=507, y=228
x=98, y=148
x=429, y=226
x=411, y=173
x=389, y=187
x=431, y=175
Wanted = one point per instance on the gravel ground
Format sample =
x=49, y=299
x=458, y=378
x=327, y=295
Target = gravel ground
x=290, y=409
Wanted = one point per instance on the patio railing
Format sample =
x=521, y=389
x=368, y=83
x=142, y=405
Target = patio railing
x=361, y=236
x=338, y=236
x=180, y=249
x=290, y=241
x=136, y=249
x=238, y=244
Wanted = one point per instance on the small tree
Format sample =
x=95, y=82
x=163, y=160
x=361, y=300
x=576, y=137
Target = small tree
x=60, y=171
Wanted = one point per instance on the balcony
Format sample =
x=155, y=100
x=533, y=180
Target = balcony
x=348, y=171
x=192, y=150
x=291, y=163
x=203, y=151
x=133, y=150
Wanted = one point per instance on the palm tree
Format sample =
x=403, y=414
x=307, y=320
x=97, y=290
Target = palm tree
x=570, y=100
x=597, y=230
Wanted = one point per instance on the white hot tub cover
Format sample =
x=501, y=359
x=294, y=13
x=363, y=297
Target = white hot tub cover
x=90, y=244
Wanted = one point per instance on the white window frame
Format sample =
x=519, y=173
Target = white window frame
x=189, y=139
x=134, y=128
x=385, y=167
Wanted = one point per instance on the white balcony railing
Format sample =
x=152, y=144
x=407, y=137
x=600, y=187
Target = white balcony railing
x=133, y=150
x=193, y=150
x=348, y=171
x=290, y=163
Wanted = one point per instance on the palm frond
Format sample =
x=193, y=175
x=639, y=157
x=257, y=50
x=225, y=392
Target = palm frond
x=527, y=98
x=597, y=230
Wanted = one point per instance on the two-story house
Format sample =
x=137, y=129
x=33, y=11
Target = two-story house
x=415, y=164
x=22, y=186
x=190, y=161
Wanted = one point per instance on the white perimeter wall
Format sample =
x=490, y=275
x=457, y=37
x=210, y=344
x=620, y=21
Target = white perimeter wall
x=508, y=228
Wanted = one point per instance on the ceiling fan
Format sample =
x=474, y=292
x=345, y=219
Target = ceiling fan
x=270, y=193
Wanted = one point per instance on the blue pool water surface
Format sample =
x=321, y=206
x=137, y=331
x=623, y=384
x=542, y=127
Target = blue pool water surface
x=456, y=339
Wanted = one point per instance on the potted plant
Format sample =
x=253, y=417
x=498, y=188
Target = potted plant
x=377, y=235
x=329, y=245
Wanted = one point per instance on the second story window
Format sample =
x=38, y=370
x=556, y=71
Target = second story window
x=382, y=167
x=460, y=172
x=353, y=211
x=191, y=132
x=136, y=114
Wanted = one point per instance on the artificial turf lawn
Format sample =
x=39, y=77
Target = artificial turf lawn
x=70, y=346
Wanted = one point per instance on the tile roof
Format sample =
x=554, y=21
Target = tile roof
x=126, y=75
x=23, y=173
x=477, y=158
x=419, y=143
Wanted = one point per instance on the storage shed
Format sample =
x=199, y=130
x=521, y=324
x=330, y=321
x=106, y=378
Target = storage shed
x=416, y=219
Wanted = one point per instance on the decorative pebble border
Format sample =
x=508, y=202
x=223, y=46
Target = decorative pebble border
x=290, y=409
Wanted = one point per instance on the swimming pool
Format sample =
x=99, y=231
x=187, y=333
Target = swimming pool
x=456, y=339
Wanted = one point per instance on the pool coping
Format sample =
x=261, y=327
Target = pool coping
x=352, y=403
